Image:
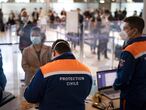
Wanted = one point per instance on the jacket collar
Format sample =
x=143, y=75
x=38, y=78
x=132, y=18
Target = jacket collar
x=42, y=52
x=131, y=41
x=66, y=55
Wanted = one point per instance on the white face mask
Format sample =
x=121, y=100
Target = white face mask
x=36, y=40
x=24, y=19
x=123, y=35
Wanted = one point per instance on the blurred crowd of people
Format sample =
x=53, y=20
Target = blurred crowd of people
x=99, y=23
x=31, y=30
x=43, y=17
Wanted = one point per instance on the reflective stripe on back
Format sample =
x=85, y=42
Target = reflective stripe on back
x=66, y=66
x=137, y=49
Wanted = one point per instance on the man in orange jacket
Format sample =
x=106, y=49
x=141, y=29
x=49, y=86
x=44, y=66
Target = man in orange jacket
x=131, y=74
x=62, y=84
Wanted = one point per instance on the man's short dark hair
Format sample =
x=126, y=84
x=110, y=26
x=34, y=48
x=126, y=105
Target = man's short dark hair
x=61, y=46
x=135, y=22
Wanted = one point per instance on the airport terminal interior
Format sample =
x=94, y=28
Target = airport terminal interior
x=90, y=26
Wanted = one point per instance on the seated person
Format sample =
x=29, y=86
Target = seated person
x=2, y=78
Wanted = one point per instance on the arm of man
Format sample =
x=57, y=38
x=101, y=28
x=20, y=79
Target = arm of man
x=125, y=71
x=35, y=91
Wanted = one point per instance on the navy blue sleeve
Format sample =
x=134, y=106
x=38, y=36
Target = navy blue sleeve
x=125, y=71
x=3, y=80
x=35, y=91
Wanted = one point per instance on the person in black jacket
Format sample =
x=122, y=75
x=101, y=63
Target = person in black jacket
x=1, y=21
x=35, y=16
x=11, y=19
x=24, y=31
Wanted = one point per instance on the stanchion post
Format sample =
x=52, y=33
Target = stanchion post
x=81, y=39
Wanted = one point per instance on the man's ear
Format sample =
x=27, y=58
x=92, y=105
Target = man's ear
x=53, y=53
x=135, y=31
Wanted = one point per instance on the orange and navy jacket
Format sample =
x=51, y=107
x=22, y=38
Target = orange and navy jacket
x=131, y=74
x=62, y=84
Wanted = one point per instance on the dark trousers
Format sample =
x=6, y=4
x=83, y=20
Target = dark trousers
x=102, y=48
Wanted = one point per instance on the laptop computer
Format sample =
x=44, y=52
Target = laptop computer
x=105, y=80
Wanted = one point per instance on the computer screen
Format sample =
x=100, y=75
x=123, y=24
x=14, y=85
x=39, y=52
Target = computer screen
x=106, y=78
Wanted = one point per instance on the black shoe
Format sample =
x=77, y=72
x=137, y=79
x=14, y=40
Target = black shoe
x=106, y=57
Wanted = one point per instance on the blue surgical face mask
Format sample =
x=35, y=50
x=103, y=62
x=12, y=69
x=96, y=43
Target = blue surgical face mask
x=36, y=40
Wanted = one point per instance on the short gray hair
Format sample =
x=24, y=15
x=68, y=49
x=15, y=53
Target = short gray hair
x=36, y=30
